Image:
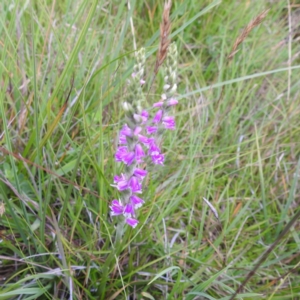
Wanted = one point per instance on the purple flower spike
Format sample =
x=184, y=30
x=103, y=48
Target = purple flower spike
x=132, y=222
x=140, y=139
x=139, y=153
x=169, y=122
x=140, y=173
x=158, y=104
x=157, y=117
x=135, y=185
x=151, y=129
x=136, y=201
x=117, y=208
x=158, y=159
x=121, y=152
x=172, y=102
x=129, y=158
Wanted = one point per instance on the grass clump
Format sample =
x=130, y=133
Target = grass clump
x=64, y=71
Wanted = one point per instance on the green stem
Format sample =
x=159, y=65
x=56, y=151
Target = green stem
x=116, y=249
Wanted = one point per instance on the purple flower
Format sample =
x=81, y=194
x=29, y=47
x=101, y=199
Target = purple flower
x=137, y=130
x=123, y=155
x=132, y=222
x=145, y=116
x=158, y=104
x=117, y=208
x=142, y=118
x=150, y=141
x=151, y=129
x=153, y=149
x=121, y=152
x=169, y=122
x=128, y=210
x=143, y=139
x=136, y=201
x=122, y=139
x=139, y=153
x=129, y=158
x=135, y=185
x=157, y=117
x=121, y=182
x=126, y=131
x=156, y=156
x=140, y=173
x=172, y=102
x=158, y=159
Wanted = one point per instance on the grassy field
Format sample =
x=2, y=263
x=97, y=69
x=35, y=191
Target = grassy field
x=64, y=69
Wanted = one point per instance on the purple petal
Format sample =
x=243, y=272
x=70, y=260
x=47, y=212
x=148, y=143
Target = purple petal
x=158, y=104
x=138, y=118
x=128, y=210
x=151, y=129
x=135, y=185
x=154, y=149
x=121, y=152
x=136, y=201
x=132, y=222
x=140, y=173
x=151, y=141
x=117, y=208
x=143, y=139
x=172, y=102
x=121, y=182
x=118, y=178
x=139, y=153
x=142, y=118
x=158, y=159
x=145, y=115
x=137, y=130
x=122, y=186
x=129, y=158
x=169, y=122
x=122, y=139
x=157, y=117
x=126, y=131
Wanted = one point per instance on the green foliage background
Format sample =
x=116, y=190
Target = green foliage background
x=63, y=71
